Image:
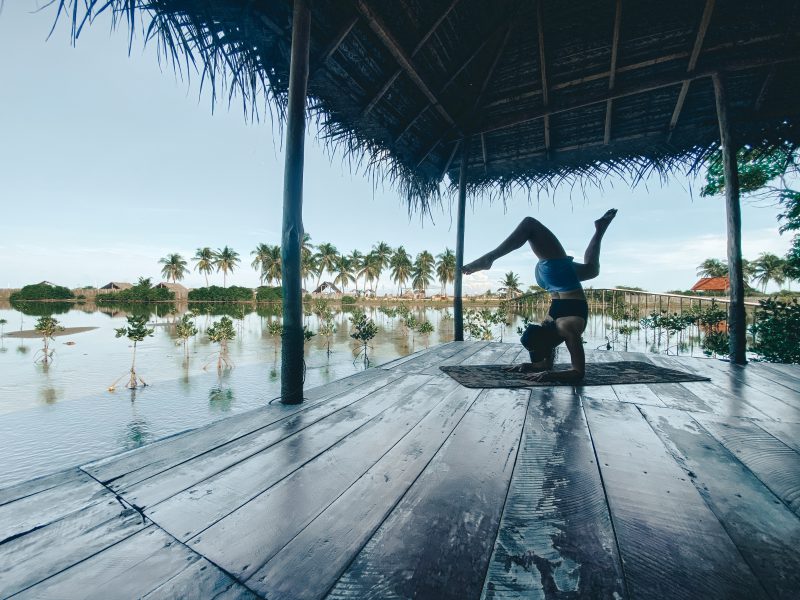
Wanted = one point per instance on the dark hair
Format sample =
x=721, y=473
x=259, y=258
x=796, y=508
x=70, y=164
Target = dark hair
x=541, y=340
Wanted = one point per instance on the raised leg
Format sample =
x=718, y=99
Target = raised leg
x=542, y=241
x=591, y=258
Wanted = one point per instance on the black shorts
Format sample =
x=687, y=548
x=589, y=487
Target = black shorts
x=568, y=307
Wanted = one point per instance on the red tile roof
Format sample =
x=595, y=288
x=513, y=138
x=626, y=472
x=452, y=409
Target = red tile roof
x=712, y=284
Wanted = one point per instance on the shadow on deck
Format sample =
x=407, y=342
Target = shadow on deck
x=398, y=482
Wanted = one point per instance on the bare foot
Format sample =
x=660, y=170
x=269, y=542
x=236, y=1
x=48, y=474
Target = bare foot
x=481, y=264
x=603, y=222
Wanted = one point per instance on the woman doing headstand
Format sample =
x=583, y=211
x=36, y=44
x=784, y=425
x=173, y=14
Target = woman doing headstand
x=561, y=276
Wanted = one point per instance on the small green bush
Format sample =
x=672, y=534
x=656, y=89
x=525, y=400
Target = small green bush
x=141, y=292
x=42, y=291
x=777, y=331
x=216, y=293
x=348, y=300
x=269, y=294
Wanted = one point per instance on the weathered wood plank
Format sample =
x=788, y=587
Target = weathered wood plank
x=670, y=542
x=392, y=364
x=39, y=484
x=675, y=395
x=241, y=549
x=205, y=463
x=37, y=510
x=788, y=433
x=429, y=359
x=30, y=558
x=130, y=569
x=740, y=375
x=765, y=531
x=491, y=354
x=201, y=580
x=456, y=359
x=218, y=497
x=772, y=461
x=555, y=537
x=437, y=541
x=326, y=546
x=789, y=374
x=161, y=456
x=637, y=393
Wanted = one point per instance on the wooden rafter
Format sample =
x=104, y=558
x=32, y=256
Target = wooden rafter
x=698, y=45
x=543, y=70
x=762, y=93
x=483, y=151
x=334, y=44
x=612, y=72
x=450, y=159
x=385, y=87
x=382, y=31
x=631, y=90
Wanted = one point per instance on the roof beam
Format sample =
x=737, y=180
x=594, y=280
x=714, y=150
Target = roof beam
x=543, y=71
x=385, y=87
x=381, y=30
x=631, y=90
x=612, y=72
x=762, y=94
x=698, y=45
x=334, y=44
x=450, y=159
x=483, y=151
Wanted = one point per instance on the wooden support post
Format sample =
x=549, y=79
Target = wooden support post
x=458, y=307
x=292, y=236
x=737, y=326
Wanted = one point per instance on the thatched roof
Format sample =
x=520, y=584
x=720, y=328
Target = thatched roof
x=117, y=285
x=552, y=91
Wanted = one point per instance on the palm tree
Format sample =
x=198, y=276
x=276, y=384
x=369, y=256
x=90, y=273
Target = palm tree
x=325, y=259
x=226, y=259
x=204, y=261
x=308, y=267
x=446, y=269
x=401, y=267
x=174, y=267
x=422, y=275
x=357, y=261
x=344, y=271
x=371, y=269
x=768, y=267
x=384, y=252
x=712, y=267
x=510, y=285
x=260, y=255
x=271, y=265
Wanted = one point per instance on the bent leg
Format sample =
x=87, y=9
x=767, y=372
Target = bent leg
x=591, y=257
x=542, y=241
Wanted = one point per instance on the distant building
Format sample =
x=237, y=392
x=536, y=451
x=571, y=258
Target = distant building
x=712, y=284
x=181, y=292
x=115, y=286
x=327, y=288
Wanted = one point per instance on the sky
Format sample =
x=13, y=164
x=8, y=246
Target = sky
x=109, y=161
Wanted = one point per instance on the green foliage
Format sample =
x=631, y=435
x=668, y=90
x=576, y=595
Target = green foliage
x=38, y=309
x=480, y=324
x=216, y=293
x=222, y=331
x=136, y=330
x=425, y=328
x=143, y=291
x=348, y=300
x=716, y=343
x=42, y=291
x=633, y=288
x=266, y=293
x=364, y=329
x=48, y=327
x=274, y=329
x=185, y=329
x=777, y=331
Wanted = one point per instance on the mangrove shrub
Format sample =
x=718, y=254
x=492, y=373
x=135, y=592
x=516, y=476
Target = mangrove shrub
x=42, y=291
x=777, y=331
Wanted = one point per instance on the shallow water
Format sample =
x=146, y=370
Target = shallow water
x=61, y=415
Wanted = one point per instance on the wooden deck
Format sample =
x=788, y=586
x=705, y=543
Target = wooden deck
x=398, y=483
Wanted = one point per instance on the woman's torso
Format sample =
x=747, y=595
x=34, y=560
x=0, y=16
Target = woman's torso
x=558, y=276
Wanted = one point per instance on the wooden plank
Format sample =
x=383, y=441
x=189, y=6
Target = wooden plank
x=399, y=361
x=326, y=546
x=140, y=463
x=37, y=510
x=765, y=531
x=742, y=374
x=637, y=393
x=39, y=484
x=773, y=462
x=670, y=542
x=788, y=433
x=467, y=350
x=162, y=479
x=201, y=580
x=130, y=569
x=437, y=541
x=490, y=354
x=43, y=552
x=556, y=538
x=789, y=377
x=675, y=395
x=424, y=361
x=219, y=496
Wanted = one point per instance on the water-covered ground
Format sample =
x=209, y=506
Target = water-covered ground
x=62, y=414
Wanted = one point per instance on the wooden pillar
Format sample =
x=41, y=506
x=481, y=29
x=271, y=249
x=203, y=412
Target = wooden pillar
x=458, y=306
x=737, y=325
x=292, y=236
